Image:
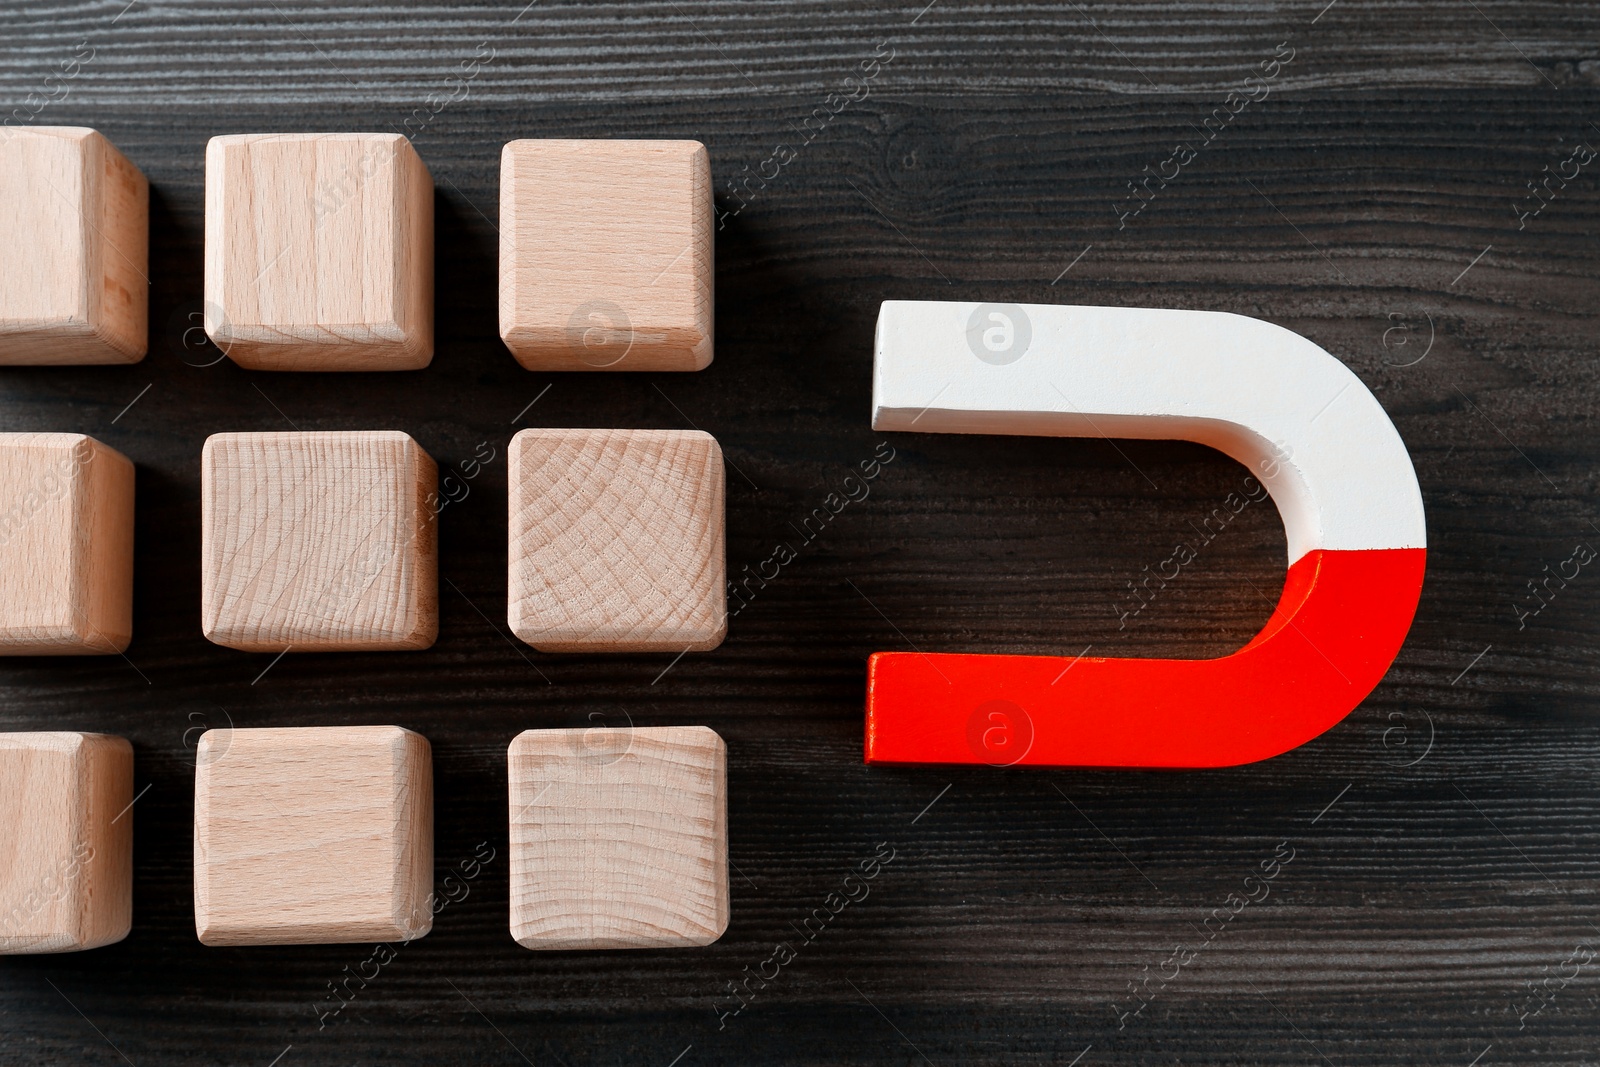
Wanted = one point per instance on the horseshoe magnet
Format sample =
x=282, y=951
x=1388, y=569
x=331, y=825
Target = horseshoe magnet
x=1293, y=414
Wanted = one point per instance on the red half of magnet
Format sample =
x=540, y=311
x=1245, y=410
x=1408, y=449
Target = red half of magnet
x=1337, y=628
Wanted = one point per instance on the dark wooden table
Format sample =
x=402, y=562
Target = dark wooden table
x=1441, y=905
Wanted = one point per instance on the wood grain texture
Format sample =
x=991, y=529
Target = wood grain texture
x=319, y=252
x=320, y=835
x=619, y=838
x=66, y=546
x=606, y=255
x=205, y=55
x=319, y=541
x=998, y=143
x=617, y=541
x=73, y=284
x=66, y=854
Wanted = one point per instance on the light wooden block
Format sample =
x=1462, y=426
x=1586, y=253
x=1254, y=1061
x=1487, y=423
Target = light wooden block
x=74, y=237
x=318, y=835
x=66, y=546
x=606, y=255
x=319, y=541
x=616, y=541
x=319, y=251
x=619, y=838
x=66, y=841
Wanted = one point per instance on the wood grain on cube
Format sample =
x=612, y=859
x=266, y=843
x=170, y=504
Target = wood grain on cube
x=66, y=841
x=616, y=541
x=318, y=541
x=606, y=255
x=619, y=838
x=74, y=215
x=313, y=835
x=319, y=252
x=66, y=545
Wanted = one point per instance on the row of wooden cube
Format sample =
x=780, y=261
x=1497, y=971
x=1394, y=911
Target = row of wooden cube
x=323, y=541
x=319, y=252
x=618, y=838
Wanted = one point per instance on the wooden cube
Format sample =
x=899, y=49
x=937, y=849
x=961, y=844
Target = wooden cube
x=66, y=841
x=75, y=218
x=318, y=541
x=606, y=255
x=318, y=835
x=66, y=546
x=619, y=838
x=319, y=251
x=616, y=541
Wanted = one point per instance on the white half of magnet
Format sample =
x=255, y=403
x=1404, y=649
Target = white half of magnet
x=1299, y=419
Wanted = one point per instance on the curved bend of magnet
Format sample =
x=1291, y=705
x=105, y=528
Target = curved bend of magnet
x=1293, y=414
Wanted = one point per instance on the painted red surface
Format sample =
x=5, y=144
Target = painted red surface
x=1338, y=626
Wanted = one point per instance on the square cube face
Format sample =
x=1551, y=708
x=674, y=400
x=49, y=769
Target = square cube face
x=619, y=838
x=616, y=541
x=75, y=215
x=606, y=255
x=319, y=252
x=66, y=857
x=318, y=835
x=318, y=541
x=66, y=546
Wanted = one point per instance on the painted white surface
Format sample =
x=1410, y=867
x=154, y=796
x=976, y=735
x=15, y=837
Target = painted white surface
x=1298, y=418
